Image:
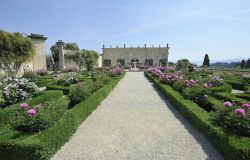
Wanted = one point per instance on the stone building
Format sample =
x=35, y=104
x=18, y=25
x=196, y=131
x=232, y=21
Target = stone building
x=66, y=57
x=128, y=56
x=39, y=60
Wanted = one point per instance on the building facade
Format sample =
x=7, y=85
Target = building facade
x=127, y=57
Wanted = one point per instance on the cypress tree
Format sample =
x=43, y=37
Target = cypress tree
x=248, y=63
x=243, y=63
x=206, y=61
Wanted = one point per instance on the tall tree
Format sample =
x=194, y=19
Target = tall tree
x=90, y=59
x=206, y=61
x=15, y=49
x=242, y=64
x=248, y=63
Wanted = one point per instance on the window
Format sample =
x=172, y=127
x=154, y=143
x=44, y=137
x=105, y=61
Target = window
x=121, y=62
x=163, y=62
x=149, y=62
x=107, y=62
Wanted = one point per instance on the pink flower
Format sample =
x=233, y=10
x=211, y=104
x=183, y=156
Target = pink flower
x=246, y=106
x=24, y=105
x=239, y=112
x=228, y=104
x=205, y=96
x=31, y=112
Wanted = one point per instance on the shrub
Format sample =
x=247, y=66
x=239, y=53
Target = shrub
x=197, y=94
x=224, y=88
x=70, y=69
x=39, y=117
x=234, y=119
x=80, y=92
x=179, y=86
x=66, y=79
x=170, y=79
x=246, y=78
x=16, y=90
x=41, y=72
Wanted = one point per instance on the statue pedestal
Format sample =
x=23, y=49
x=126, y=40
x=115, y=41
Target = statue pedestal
x=134, y=67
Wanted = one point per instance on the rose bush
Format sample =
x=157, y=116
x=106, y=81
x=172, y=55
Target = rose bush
x=38, y=117
x=234, y=119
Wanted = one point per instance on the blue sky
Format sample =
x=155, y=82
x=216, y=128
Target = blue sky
x=220, y=28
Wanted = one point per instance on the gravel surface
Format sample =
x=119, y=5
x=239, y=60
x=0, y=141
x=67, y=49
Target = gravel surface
x=135, y=122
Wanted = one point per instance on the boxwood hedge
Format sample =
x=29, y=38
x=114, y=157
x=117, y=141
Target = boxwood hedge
x=232, y=147
x=44, y=144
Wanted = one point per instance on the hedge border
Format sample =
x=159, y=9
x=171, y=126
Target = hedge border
x=232, y=147
x=236, y=84
x=47, y=142
x=225, y=96
x=65, y=90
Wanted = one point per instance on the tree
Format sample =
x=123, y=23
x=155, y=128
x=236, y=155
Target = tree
x=243, y=63
x=248, y=63
x=90, y=59
x=182, y=64
x=15, y=49
x=206, y=61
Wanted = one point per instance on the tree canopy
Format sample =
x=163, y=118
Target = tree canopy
x=182, y=64
x=15, y=49
x=90, y=59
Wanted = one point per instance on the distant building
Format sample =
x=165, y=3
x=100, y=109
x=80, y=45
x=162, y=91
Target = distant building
x=127, y=56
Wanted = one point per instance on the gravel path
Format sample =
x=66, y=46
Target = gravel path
x=134, y=122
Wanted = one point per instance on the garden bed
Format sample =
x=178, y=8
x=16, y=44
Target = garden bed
x=231, y=146
x=44, y=144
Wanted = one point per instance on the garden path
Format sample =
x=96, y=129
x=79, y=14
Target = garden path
x=135, y=122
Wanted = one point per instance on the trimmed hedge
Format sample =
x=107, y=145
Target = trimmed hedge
x=65, y=90
x=247, y=89
x=215, y=103
x=5, y=113
x=236, y=84
x=45, y=143
x=43, y=82
x=224, y=88
x=225, y=96
x=231, y=146
x=243, y=96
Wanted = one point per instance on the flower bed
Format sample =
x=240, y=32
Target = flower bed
x=16, y=90
x=231, y=146
x=44, y=144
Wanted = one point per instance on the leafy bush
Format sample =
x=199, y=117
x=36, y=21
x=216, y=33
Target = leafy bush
x=41, y=72
x=234, y=119
x=66, y=79
x=16, y=90
x=80, y=92
x=170, y=79
x=179, y=86
x=39, y=117
x=115, y=71
x=197, y=94
x=246, y=78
